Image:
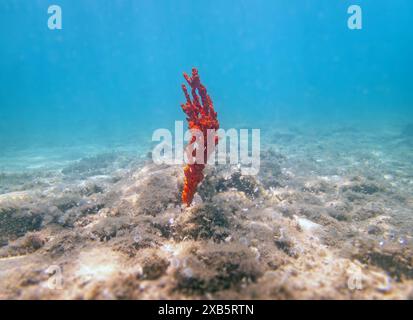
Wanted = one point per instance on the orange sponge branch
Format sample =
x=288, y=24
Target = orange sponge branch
x=201, y=117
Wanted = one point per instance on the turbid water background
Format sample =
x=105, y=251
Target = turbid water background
x=331, y=206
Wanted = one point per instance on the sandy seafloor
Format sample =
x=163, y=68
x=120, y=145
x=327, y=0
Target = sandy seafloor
x=330, y=216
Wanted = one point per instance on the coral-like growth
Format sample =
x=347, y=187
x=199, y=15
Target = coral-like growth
x=202, y=118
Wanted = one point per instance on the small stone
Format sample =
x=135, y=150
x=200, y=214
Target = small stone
x=373, y=229
x=187, y=272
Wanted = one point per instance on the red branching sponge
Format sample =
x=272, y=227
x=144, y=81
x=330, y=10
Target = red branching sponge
x=200, y=116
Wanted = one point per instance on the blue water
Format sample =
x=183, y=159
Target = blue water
x=113, y=73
